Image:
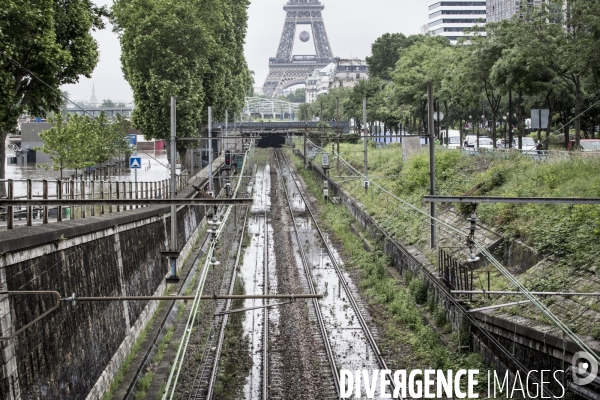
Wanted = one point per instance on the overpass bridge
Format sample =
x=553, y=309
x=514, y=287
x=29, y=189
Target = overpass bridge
x=280, y=127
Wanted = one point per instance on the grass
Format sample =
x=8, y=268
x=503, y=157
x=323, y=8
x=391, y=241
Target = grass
x=568, y=234
x=402, y=303
x=235, y=362
x=118, y=378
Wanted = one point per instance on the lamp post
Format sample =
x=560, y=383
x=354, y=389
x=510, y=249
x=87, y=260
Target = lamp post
x=504, y=118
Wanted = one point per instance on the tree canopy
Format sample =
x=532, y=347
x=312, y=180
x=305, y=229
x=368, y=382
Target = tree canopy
x=43, y=44
x=77, y=142
x=189, y=49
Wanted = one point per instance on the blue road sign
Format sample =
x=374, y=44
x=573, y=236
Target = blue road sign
x=132, y=139
x=135, y=162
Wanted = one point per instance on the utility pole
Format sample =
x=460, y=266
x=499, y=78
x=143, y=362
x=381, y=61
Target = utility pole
x=510, y=131
x=366, y=169
x=337, y=119
x=210, y=155
x=431, y=162
x=173, y=241
x=226, y=135
x=305, y=155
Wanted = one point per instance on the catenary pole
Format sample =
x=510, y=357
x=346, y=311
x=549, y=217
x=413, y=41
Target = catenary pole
x=173, y=260
x=431, y=162
x=366, y=169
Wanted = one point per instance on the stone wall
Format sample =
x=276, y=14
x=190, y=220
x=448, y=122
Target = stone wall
x=74, y=352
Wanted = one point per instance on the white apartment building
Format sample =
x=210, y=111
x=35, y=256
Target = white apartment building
x=318, y=82
x=451, y=18
x=497, y=10
x=348, y=73
x=345, y=73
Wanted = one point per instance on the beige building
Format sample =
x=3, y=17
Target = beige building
x=344, y=73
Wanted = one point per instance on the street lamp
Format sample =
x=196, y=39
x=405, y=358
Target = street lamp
x=504, y=118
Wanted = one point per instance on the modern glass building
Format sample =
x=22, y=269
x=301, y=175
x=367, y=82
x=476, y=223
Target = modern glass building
x=497, y=10
x=451, y=18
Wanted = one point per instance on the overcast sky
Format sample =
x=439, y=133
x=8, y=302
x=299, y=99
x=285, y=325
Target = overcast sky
x=351, y=25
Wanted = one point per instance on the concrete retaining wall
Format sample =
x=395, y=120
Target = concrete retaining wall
x=74, y=352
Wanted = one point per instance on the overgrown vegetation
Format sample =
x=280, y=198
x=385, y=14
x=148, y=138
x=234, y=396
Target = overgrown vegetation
x=235, y=362
x=567, y=235
x=569, y=232
x=403, y=303
x=118, y=378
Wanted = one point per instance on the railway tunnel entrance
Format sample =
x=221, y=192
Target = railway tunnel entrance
x=271, y=140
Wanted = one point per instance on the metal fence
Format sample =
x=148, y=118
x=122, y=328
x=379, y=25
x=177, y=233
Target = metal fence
x=537, y=155
x=456, y=275
x=12, y=216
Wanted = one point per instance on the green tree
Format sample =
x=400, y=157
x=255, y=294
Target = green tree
x=77, y=142
x=384, y=54
x=568, y=46
x=418, y=64
x=298, y=96
x=43, y=44
x=188, y=49
x=107, y=103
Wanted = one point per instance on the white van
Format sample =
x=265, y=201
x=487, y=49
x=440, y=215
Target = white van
x=453, y=139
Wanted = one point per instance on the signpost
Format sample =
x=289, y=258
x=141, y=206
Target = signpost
x=239, y=162
x=135, y=163
x=131, y=139
x=539, y=118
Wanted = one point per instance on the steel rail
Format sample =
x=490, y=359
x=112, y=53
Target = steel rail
x=505, y=272
x=440, y=286
x=265, y=372
x=125, y=202
x=347, y=289
x=220, y=340
x=290, y=296
x=146, y=357
x=39, y=317
x=183, y=344
x=514, y=292
x=311, y=287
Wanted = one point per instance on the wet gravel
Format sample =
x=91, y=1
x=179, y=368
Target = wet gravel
x=297, y=347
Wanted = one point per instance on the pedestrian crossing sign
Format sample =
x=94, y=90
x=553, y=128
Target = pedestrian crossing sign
x=135, y=162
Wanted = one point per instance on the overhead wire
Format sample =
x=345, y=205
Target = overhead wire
x=466, y=314
x=512, y=280
x=177, y=363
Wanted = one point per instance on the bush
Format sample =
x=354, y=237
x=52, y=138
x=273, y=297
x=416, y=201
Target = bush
x=418, y=289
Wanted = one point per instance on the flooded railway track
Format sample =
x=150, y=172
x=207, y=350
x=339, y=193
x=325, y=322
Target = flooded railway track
x=359, y=310
x=297, y=348
x=209, y=368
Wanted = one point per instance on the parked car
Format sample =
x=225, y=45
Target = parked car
x=527, y=144
x=484, y=142
x=585, y=145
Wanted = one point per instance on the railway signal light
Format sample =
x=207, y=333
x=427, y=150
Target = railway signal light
x=228, y=157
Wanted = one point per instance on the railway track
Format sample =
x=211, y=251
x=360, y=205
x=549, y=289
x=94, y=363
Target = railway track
x=203, y=387
x=265, y=359
x=356, y=305
x=309, y=281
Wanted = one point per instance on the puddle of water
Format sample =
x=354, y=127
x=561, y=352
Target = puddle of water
x=350, y=347
x=252, y=273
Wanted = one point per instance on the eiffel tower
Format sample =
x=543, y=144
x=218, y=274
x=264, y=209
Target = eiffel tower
x=286, y=69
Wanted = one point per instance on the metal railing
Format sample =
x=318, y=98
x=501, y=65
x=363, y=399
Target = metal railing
x=539, y=155
x=76, y=189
